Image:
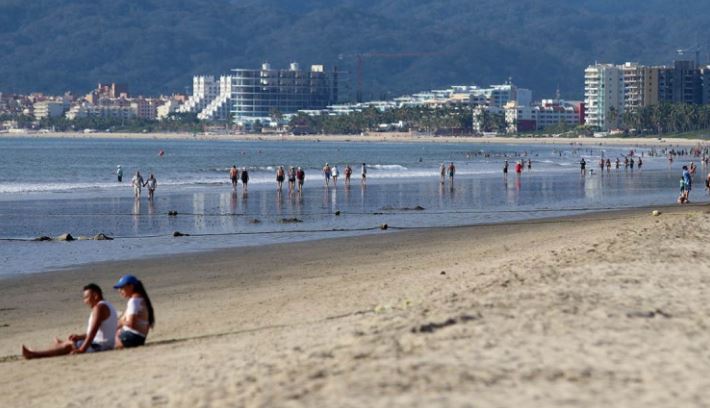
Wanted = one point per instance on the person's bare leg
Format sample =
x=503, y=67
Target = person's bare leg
x=59, y=350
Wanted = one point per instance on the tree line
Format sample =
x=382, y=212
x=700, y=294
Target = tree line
x=420, y=119
x=663, y=118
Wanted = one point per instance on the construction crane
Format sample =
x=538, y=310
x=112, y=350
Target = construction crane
x=681, y=52
x=361, y=57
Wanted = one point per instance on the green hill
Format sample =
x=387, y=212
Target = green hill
x=157, y=45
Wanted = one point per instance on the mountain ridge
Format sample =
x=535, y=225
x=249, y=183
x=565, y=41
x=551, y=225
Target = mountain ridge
x=155, y=46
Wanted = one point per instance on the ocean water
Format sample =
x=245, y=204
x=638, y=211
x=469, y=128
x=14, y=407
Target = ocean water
x=54, y=186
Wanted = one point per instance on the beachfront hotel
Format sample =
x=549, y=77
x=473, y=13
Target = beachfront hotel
x=610, y=90
x=603, y=94
x=257, y=93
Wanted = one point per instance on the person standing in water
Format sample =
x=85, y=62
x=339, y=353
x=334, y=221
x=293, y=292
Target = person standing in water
x=442, y=173
x=234, y=176
x=505, y=168
x=529, y=164
x=119, y=173
x=301, y=177
x=583, y=166
x=608, y=165
x=151, y=183
x=137, y=183
x=327, y=174
x=452, y=171
x=245, y=179
x=280, y=178
x=291, y=179
x=348, y=173
x=688, y=184
x=334, y=174
x=364, y=174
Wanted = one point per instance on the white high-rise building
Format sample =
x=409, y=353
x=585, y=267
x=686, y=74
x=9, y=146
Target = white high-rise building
x=204, y=90
x=221, y=105
x=603, y=95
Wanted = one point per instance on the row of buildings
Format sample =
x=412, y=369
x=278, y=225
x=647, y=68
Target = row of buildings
x=610, y=90
x=272, y=95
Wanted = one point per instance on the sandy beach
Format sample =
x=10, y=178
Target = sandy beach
x=387, y=137
x=608, y=309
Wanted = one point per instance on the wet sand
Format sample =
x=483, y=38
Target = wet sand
x=387, y=137
x=608, y=309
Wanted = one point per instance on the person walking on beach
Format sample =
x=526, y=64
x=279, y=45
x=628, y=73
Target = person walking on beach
x=688, y=182
x=505, y=168
x=137, y=182
x=452, y=171
x=681, y=197
x=583, y=166
x=234, y=176
x=245, y=179
x=334, y=174
x=301, y=177
x=707, y=183
x=280, y=177
x=348, y=173
x=363, y=171
x=151, y=183
x=100, y=330
x=442, y=173
x=138, y=318
x=119, y=173
x=326, y=174
x=291, y=179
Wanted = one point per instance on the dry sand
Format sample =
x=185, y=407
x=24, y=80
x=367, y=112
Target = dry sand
x=389, y=137
x=599, y=310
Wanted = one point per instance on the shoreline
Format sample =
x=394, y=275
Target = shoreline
x=416, y=318
x=391, y=137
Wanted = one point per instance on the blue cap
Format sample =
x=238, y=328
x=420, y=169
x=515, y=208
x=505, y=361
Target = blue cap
x=126, y=280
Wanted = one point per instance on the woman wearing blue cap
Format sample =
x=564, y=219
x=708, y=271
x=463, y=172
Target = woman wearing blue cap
x=138, y=318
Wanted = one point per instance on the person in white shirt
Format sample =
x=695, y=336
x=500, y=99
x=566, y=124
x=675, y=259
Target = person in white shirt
x=138, y=318
x=99, y=334
x=137, y=183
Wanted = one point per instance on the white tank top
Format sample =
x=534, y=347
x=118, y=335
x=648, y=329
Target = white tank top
x=106, y=335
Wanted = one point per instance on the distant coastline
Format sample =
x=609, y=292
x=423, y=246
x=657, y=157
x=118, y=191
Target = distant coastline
x=388, y=137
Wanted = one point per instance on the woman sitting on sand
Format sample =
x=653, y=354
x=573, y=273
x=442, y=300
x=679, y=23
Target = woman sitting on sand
x=138, y=318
